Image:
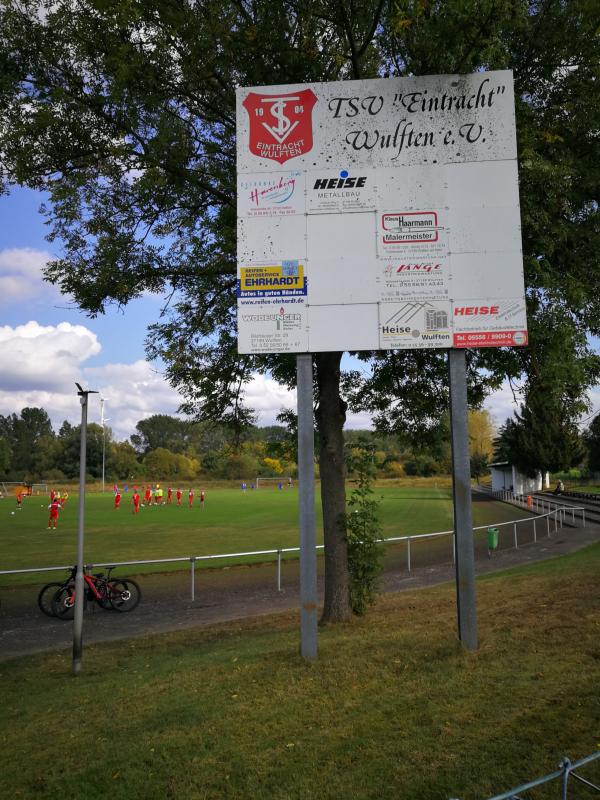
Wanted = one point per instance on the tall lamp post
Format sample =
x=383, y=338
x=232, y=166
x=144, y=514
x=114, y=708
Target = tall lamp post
x=78, y=620
x=103, y=419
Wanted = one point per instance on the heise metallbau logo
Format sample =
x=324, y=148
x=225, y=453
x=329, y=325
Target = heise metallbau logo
x=343, y=182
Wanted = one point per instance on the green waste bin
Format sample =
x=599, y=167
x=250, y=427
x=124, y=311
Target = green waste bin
x=492, y=537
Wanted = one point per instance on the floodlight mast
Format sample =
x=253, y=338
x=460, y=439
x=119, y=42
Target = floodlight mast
x=103, y=419
x=78, y=619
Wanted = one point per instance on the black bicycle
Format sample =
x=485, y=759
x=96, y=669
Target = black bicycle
x=119, y=594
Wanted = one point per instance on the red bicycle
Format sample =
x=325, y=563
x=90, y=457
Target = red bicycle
x=120, y=594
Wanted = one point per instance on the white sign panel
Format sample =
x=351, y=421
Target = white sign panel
x=386, y=211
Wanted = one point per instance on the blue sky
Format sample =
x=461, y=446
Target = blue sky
x=46, y=343
x=121, y=333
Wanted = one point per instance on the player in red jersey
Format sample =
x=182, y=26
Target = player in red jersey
x=191, y=497
x=169, y=496
x=178, y=497
x=53, y=518
x=148, y=495
x=135, y=497
x=19, y=500
x=201, y=499
x=117, y=498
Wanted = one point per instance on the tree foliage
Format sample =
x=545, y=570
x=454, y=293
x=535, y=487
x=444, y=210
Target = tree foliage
x=363, y=530
x=540, y=438
x=592, y=442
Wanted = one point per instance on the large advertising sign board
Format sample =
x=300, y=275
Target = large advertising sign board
x=379, y=214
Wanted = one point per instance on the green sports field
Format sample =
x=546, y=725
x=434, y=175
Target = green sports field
x=230, y=522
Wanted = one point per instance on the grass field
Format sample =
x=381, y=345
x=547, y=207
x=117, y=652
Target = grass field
x=230, y=522
x=394, y=708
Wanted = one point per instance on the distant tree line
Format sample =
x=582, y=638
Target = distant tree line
x=166, y=447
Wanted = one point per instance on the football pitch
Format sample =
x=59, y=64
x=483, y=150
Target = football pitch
x=231, y=521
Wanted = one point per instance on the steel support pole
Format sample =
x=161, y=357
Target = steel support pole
x=306, y=496
x=279, y=570
x=461, y=488
x=193, y=578
x=78, y=618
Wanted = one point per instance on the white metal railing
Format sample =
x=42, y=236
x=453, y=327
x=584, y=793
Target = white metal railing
x=533, y=502
x=556, y=514
x=565, y=771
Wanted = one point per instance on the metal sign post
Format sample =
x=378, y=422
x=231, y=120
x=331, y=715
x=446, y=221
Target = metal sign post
x=461, y=487
x=78, y=619
x=306, y=492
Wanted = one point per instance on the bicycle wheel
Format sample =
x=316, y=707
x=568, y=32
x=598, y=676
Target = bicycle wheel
x=124, y=594
x=63, y=602
x=46, y=596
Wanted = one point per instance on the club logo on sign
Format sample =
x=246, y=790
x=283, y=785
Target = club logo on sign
x=280, y=125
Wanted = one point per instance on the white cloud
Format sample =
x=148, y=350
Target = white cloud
x=21, y=275
x=267, y=398
x=36, y=357
x=40, y=364
x=132, y=392
x=501, y=404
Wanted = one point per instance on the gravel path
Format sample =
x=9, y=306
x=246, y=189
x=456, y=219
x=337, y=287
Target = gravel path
x=229, y=594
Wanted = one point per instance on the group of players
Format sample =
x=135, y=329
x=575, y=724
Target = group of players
x=154, y=496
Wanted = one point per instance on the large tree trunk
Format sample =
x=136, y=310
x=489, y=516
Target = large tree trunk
x=331, y=415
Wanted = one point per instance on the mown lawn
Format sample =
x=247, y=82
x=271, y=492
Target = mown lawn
x=230, y=522
x=393, y=708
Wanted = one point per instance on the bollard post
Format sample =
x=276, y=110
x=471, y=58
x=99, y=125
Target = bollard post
x=515, y=533
x=279, y=570
x=408, y=552
x=548, y=525
x=193, y=576
x=453, y=549
x=534, y=532
x=555, y=523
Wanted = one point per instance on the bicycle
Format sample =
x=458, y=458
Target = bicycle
x=119, y=594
